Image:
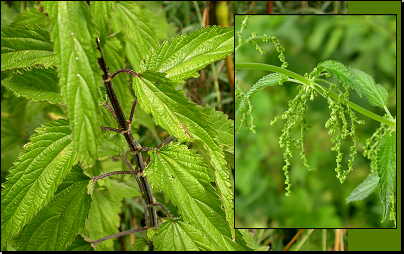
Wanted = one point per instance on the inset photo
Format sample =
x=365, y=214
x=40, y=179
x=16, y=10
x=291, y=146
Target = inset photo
x=315, y=143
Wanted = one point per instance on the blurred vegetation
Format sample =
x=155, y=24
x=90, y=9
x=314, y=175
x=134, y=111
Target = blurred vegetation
x=318, y=198
x=291, y=7
x=308, y=240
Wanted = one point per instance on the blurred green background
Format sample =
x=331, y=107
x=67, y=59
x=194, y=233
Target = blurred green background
x=365, y=42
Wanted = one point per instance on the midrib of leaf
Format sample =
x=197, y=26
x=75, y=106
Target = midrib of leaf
x=74, y=36
x=35, y=176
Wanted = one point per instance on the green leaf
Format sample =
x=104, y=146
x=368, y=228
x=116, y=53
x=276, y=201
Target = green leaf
x=9, y=135
x=171, y=109
x=141, y=37
x=35, y=176
x=140, y=244
x=56, y=225
x=115, y=145
x=114, y=55
x=80, y=244
x=364, y=189
x=184, y=55
x=223, y=126
x=124, y=189
x=103, y=218
x=100, y=11
x=37, y=84
x=386, y=169
x=25, y=46
x=187, y=122
x=184, y=179
x=268, y=80
x=180, y=236
x=31, y=16
x=375, y=93
x=340, y=72
x=74, y=36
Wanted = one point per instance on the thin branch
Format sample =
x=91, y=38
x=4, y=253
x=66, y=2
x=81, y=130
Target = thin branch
x=106, y=104
x=119, y=235
x=110, y=129
x=165, y=210
x=165, y=141
x=122, y=70
x=124, y=125
x=113, y=173
x=134, y=172
x=133, y=110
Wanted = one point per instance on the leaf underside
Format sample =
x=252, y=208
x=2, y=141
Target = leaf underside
x=364, y=189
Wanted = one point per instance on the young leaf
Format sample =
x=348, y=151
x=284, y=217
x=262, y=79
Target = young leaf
x=180, y=236
x=114, y=55
x=386, y=168
x=25, y=46
x=184, y=178
x=364, y=189
x=74, y=36
x=35, y=175
x=375, y=93
x=141, y=37
x=184, y=55
x=268, y=80
x=100, y=11
x=37, y=84
x=56, y=225
x=115, y=145
x=340, y=72
x=29, y=16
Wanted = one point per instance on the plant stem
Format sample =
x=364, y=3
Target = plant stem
x=119, y=235
x=303, y=240
x=133, y=145
x=306, y=81
x=113, y=173
x=324, y=242
x=293, y=240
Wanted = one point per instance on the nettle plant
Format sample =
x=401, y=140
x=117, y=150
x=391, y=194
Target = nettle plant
x=64, y=192
x=380, y=148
